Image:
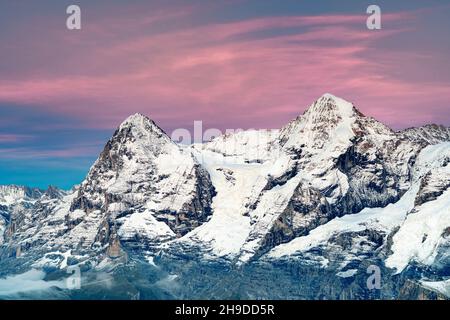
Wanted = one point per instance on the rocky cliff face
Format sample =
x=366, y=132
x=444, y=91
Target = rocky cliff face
x=415, y=291
x=330, y=193
x=23, y=207
x=428, y=134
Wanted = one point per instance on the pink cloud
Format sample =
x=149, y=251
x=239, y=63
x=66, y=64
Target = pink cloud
x=224, y=75
x=27, y=153
x=7, y=138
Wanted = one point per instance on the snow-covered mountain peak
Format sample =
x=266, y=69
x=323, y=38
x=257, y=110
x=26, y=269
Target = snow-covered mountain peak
x=13, y=194
x=330, y=105
x=130, y=155
x=142, y=185
x=328, y=122
x=139, y=127
x=136, y=119
x=428, y=134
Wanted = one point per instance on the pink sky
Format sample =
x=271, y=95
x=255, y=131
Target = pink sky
x=229, y=74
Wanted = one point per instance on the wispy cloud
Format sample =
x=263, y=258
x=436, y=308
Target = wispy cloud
x=29, y=282
x=9, y=138
x=42, y=153
x=251, y=73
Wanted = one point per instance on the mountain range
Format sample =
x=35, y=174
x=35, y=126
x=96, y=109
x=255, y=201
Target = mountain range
x=302, y=212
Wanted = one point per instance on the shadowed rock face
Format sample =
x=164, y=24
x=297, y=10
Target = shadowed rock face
x=412, y=290
x=197, y=211
x=432, y=186
x=307, y=209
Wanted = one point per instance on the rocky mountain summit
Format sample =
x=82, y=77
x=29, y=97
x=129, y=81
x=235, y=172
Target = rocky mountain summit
x=327, y=195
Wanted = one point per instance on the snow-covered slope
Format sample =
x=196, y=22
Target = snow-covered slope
x=424, y=235
x=251, y=146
